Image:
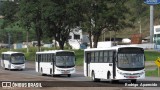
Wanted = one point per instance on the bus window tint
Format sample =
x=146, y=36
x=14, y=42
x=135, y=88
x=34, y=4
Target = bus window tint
x=105, y=56
x=101, y=57
x=70, y=60
x=65, y=61
x=130, y=60
x=6, y=57
x=96, y=56
x=60, y=61
x=92, y=56
x=110, y=56
x=17, y=59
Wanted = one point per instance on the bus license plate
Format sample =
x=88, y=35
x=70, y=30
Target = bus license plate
x=132, y=77
x=65, y=72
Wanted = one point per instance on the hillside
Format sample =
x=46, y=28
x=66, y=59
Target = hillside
x=138, y=13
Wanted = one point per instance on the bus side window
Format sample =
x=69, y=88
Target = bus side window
x=101, y=57
x=105, y=56
x=6, y=57
x=96, y=56
x=110, y=56
x=2, y=56
x=49, y=57
x=92, y=56
x=46, y=58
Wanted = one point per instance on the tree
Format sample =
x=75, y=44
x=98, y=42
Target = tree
x=104, y=14
x=30, y=16
x=60, y=17
x=8, y=11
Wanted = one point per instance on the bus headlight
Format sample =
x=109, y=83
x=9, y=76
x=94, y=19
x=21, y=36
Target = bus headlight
x=120, y=72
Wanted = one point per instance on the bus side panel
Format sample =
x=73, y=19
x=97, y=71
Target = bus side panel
x=85, y=65
x=36, y=66
x=46, y=66
x=37, y=63
x=6, y=64
x=2, y=63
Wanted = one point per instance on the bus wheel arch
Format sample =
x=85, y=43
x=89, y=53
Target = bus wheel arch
x=93, y=77
x=42, y=72
x=108, y=75
x=51, y=71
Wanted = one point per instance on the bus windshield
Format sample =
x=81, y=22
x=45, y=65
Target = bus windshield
x=65, y=61
x=130, y=58
x=130, y=61
x=17, y=59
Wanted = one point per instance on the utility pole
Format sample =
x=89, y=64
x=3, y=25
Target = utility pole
x=151, y=3
x=151, y=23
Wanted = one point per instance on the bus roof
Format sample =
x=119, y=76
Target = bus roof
x=11, y=52
x=53, y=51
x=111, y=48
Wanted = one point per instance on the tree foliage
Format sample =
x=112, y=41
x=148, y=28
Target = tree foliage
x=104, y=15
x=60, y=17
x=56, y=18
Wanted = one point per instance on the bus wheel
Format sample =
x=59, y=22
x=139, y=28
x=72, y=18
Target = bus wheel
x=42, y=72
x=51, y=73
x=133, y=81
x=109, y=77
x=4, y=67
x=93, y=77
x=69, y=75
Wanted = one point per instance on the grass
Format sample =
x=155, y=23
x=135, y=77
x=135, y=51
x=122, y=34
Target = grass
x=79, y=57
x=152, y=73
x=151, y=55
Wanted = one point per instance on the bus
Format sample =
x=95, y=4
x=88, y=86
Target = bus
x=115, y=63
x=13, y=60
x=55, y=62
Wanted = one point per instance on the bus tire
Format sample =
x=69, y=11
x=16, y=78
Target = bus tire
x=93, y=77
x=51, y=73
x=42, y=72
x=4, y=67
x=133, y=81
x=109, y=77
x=69, y=75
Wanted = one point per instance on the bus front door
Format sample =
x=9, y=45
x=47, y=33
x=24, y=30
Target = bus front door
x=114, y=64
x=88, y=58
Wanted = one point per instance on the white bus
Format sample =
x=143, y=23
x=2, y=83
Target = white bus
x=115, y=63
x=13, y=60
x=55, y=62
